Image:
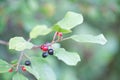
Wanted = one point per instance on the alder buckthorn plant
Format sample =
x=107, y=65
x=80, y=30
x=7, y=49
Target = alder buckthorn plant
x=35, y=65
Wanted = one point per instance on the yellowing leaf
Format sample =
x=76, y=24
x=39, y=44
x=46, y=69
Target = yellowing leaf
x=39, y=30
x=70, y=21
x=19, y=44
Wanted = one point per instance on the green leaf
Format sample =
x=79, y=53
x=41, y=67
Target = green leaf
x=34, y=72
x=19, y=44
x=99, y=39
x=46, y=73
x=19, y=76
x=70, y=20
x=59, y=29
x=70, y=58
x=14, y=61
x=39, y=30
x=56, y=45
x=4, y=66
x=41, y=70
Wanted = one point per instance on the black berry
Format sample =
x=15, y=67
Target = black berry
x=50, y=51
x=27, y=63
x=45, y=54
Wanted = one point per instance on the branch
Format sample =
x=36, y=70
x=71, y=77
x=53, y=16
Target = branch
x=65, y=39
x=27, y=56
x=59, y=40
x=52, y=42
x=3, y=42
x=54, y=37
x=20, y=58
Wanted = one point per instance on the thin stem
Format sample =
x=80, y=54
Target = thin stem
x=29, y=39
x=54, y=37
x=36, y=46
x=27, y=56
x=61, y=40
x=3, y=42
x=65, y=39
x=19, y=60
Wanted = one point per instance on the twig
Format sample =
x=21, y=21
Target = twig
x=20, y=58
x=65, y=39
x=60, y=40
x=54, y=37
x=3, y=42
x=29, y=39
x=27, y=56
x=36, y=46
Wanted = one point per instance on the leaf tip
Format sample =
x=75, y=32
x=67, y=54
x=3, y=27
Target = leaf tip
x=103, y=39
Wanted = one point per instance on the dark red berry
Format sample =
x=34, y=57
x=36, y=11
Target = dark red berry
x=59, y=34
x=23, y=68
x=45, y=54
x=45, y=48
x=51, y=51
x=10, y=70
x=27, y=63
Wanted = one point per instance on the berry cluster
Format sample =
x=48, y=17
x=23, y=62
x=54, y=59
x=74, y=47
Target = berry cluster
x=46, y=50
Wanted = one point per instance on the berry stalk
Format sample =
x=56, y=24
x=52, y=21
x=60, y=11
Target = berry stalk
x=54, y=37
x=3, y=42
x=20, y=58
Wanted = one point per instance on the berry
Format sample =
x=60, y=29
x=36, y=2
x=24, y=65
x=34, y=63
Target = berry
x=45, y=54
x=59, y=34
x=23, y=68
x=51, y=51
x=10, y=70
x=41, y=47
x=45, y=48
x=27, y=63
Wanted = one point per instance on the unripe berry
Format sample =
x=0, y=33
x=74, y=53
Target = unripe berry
x=50, y=51
x=23, y=68
x=45, y=48
x=41, y=47
x=45, y=54
x=59, y=34
x=10, y=70
x=27, y=63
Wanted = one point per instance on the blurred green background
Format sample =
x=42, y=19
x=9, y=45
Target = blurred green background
x=18, y=17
